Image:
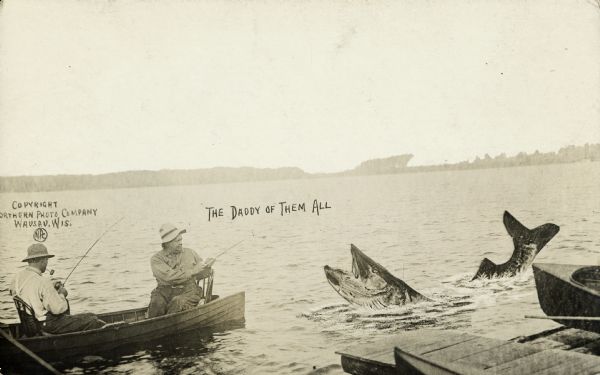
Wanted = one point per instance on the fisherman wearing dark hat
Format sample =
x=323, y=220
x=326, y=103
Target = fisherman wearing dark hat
x=175, y=269
x=48, y=300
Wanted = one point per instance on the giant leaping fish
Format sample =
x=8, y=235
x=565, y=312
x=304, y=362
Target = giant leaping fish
x=528, y=243
x=370, y=284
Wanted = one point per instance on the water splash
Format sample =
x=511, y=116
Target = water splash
x=452, y=306
x=444, y=312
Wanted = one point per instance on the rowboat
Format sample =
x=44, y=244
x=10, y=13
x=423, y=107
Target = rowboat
x=569, y=294
x=126, y=327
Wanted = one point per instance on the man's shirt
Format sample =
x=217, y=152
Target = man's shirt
x=38, y=292
x=174, y=269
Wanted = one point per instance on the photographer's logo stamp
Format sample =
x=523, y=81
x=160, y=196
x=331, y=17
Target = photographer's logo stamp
x=40, y=235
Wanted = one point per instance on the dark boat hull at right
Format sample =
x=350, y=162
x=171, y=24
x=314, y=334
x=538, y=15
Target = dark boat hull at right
x=568, y=290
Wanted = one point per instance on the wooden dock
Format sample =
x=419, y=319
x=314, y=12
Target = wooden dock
x=558, y=351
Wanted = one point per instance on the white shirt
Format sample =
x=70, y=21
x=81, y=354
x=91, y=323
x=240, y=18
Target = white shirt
x=38, y=292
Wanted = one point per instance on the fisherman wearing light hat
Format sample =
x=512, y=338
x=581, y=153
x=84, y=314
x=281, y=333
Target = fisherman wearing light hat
x=48, y=300
x=175, y=269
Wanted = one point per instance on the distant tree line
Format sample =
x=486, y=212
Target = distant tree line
x=131, y=179
x=390, y=165
x=569, y=154
x=393, y=164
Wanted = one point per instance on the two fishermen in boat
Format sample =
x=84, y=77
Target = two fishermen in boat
x=47, y=299
x=176, y=270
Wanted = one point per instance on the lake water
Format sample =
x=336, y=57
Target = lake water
x=429, y=229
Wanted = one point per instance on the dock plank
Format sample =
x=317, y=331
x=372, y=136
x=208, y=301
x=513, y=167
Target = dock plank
x=418, y=341
x=595, y=370
x=443, y=343
x=478, y=354
x=498, y=355
x=378, y=357
x=528, y=364
x=464, y=349
x=378, y=352
x=407, y=363
x=375, y=358
x=582, y=364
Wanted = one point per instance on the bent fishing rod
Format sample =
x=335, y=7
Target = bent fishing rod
x=88, y=250
x=226, y=250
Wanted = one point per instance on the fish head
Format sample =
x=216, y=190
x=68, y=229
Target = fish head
x=364, y=279
x=364, y=292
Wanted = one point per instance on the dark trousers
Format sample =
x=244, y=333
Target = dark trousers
x=168, y=300
x=65, y=323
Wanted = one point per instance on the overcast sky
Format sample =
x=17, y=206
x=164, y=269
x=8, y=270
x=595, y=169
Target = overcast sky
x=102, y=86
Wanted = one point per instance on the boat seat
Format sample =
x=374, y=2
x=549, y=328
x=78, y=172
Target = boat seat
x=29, y=326
x=205, y=281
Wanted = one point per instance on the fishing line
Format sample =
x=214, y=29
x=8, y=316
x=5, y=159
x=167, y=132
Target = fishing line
x=90, y=248
x=229, y=248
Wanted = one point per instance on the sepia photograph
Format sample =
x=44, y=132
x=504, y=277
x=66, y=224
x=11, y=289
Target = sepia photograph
x=299, y=187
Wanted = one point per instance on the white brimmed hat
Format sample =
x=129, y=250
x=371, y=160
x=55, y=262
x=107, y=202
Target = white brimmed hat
x=168, y=232
x=36, y=251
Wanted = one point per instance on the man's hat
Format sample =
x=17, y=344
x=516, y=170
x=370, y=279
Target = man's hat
x=168, y=232
x=35, y=251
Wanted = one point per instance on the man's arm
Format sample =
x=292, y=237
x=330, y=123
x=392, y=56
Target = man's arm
x=201, y=269
x=165, y=273
x=54, y=302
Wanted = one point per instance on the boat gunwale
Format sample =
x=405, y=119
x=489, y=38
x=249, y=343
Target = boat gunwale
x=567, y=278
x=579, y=283
x=120, y=325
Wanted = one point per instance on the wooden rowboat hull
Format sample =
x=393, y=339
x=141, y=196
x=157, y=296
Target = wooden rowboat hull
x=560, y=294
x=129, y=326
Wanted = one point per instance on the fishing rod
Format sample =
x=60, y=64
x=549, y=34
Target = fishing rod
x=90, y=248
x=226, y=250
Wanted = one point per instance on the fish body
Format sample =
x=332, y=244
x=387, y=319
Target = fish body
x=370, y=284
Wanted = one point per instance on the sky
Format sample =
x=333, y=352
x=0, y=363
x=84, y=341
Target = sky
x=112, y=85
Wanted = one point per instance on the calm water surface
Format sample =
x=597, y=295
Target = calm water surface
x=430, y=229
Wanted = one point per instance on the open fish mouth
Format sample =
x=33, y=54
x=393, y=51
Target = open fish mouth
x=332, y=276
x=353, y=289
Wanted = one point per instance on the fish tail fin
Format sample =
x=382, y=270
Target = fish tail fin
x=514, y=226
x=486, y=267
